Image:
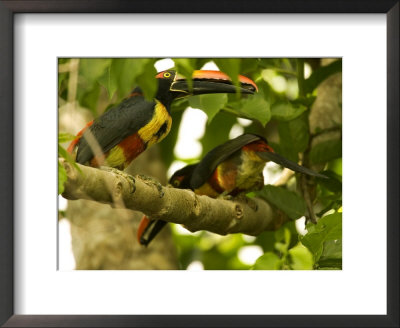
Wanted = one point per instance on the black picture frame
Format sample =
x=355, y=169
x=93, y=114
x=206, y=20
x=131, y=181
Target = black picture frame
x=7, y=11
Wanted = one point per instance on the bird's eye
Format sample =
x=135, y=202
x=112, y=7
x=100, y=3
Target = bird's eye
x=175, y=183
x=167, y=74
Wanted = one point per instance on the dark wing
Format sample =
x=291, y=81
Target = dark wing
x=115, y=125
x=216, y=156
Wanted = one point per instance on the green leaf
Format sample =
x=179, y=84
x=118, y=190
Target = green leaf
x=123, y=74
x=62, y=178
x=301, y=258
x=268, y=261
x=248, y=65
x=185, y=67
x=327, y=228
x=217, y=131
x=109, y=81
x=230, y=66
x=62, y=60
x=61, y=78
x=65, y=137
x=288, y=201
x=285, y=151
x=336, y=166
x=254, y=107
x=281, y=65
x=331, y=256
x=294, y=136
x=90, y=99
x=282, y=237
x=210, y=104
x=146, y=80
x=266, y=240
x=334, y=183
x=321, y=74
x=286, y=111
x=91, y=69
x=305, y=101
x=326, y=151
x=63, y=153
x=127, y=70
x=265, y=90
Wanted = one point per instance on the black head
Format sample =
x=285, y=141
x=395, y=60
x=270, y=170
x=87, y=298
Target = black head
x=181, y=178
x=165, y=80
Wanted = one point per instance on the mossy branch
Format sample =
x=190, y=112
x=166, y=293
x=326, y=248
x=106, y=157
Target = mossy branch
x=170, y=204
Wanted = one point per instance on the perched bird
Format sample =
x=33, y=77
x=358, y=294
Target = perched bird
x=229, y=169
x=126, y=130
x=237, y=166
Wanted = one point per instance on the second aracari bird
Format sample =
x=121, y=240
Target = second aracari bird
x=129, y=128
x=229, y=169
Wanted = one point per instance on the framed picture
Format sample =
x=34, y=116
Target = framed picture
x=60, y=55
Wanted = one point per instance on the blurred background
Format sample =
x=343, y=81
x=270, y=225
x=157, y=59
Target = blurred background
x=298, y=109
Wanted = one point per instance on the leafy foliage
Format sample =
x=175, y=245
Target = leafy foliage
x=210, y=104
x=328, y=228
x=288, y=201
x=280, y=111
x=62, y=178
x=286, y=110
x=253, y=108
x=62, y=174
x=326, y=151
x=283, y=257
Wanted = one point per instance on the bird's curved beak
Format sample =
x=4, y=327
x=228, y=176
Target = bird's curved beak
x=278, y=159
x=204, y=82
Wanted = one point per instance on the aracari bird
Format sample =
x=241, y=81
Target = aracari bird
x=229, y=169
x=127, y=129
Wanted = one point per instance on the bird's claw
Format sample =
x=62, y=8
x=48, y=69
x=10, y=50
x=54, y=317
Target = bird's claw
x=248, y=201
x=225, y=196
x=152, y=182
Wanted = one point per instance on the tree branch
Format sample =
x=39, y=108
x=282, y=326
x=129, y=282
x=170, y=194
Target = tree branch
x=170, y=204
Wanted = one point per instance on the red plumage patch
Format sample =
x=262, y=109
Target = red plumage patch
x=258, y=145
x=132, y=146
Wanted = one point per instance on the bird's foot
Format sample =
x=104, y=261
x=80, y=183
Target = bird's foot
x=127, y=176
x=248, y=201
x=225, y=196
x=152, y=182
x=240, y=198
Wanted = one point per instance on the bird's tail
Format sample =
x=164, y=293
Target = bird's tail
x=74, y=142
x=148, y=229
x=278, y=159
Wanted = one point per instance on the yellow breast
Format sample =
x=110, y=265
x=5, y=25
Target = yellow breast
x=250, y=171
x=159, y=126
